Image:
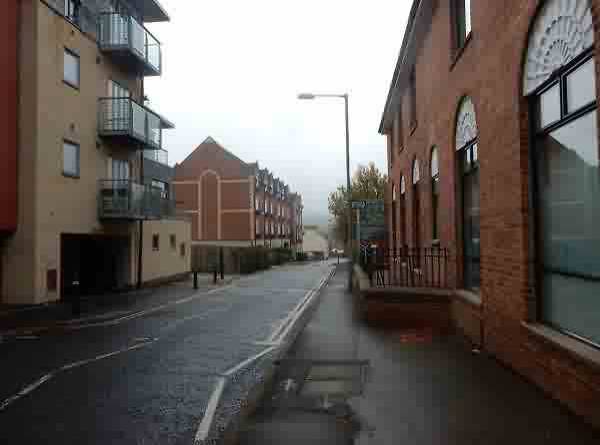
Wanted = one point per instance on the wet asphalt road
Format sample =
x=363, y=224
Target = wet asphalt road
x=156, y=382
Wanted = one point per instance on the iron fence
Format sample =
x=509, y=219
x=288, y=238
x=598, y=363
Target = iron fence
x=406, y=267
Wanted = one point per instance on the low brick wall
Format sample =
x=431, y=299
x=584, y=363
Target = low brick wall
x=440, y=309
x=402, y=307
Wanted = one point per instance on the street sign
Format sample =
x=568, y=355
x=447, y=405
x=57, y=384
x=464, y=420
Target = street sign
x=363, y=204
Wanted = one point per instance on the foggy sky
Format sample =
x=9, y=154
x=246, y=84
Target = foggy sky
x=233, y=69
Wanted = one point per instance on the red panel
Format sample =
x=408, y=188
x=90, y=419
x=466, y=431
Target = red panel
x=8, y=114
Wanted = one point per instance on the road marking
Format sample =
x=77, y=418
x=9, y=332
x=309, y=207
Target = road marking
x=209, y=414
x=207, y=421
x=35, y=385
x=246, y=362
x=139, y=314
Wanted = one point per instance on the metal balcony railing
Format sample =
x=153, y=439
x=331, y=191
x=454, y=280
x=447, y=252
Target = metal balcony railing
x=124, y=117
x=131, y=42
x=161, y=156
x=128, y=200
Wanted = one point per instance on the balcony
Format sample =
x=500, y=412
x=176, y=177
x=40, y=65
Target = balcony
x=123, y=119
x=128, y=200
x=130, y=44
x=161, y=156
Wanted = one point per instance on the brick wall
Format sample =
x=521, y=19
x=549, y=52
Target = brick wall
x=8, y=115
x=489, y=70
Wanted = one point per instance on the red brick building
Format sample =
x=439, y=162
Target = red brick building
x=8, y=121
x=235, y=203
x=492, y=136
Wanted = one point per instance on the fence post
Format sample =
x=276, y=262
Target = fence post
x=221, y=263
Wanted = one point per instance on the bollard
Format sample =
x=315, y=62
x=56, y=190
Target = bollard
x=221, y=263
x=215, y=276
x=76, y=299
x=195, y=279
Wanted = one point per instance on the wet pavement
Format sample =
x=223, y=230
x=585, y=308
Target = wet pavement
x=145, y=379
x=420, y=388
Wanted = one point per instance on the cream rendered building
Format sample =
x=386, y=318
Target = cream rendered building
x=84, y=138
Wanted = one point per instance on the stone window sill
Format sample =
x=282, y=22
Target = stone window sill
x=578, y=350
x=469, y=297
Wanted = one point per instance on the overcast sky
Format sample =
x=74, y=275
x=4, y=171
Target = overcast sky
x=233, y=69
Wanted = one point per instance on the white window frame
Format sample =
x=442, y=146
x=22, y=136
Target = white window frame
x=77, y=170
x=69, y=55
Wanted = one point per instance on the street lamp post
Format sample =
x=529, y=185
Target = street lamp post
x=310, y=96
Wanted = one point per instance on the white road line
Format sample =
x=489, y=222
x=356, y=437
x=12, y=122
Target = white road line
x=139, y=314
x=215, y=398
x=35, y=385
x=246, y=362
x=29, y=388
x=209, y=414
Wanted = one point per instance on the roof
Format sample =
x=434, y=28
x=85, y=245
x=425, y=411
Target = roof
x=418, y=23
x=151, y=10
x=212, y=155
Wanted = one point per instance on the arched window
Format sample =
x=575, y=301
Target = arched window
x=394, y=222
x=560, y=81
x=416, y=177
x=403, y=240
x=416, y=173
x=468, y=157
x=435, y=194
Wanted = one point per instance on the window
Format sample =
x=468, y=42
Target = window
x=394, y=228
x=182, y=250
x=435, y=193
x=155, y=242
x=120, y=170
x=173, y=241
x=403, y=240
x=416, y=177
x=566, y=200
x=162, y=187
x=413, y=98
x=462, y=15
x=468, y=158
x=71, y=69
x=71, y=159
x=72, y=10
x=115, y=89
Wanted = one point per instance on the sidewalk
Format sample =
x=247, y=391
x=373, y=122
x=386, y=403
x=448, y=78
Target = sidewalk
x=31, y=320
x=422, y=388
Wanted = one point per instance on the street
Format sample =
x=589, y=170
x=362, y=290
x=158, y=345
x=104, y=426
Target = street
x=145, y=378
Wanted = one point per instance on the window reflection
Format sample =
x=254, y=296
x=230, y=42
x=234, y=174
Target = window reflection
x=569, y=209
x=581, y=86
x=550, y=106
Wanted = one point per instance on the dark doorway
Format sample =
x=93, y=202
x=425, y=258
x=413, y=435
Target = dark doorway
x=93, y=264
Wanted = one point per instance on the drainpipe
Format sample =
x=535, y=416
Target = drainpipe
x=141, y=222
x=141, y=226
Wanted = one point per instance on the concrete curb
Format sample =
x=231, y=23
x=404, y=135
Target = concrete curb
x=285, y=338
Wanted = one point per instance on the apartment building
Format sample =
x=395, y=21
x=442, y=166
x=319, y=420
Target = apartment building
x=492, y=134
x=233, y=203
x=86, y=221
